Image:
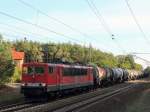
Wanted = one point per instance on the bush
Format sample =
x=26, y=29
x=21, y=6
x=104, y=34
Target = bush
x=17, y=75
x=6, y=71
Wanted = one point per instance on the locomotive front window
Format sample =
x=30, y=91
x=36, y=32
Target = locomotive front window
x=25, y=70
x=39, y=70
x=28, y=70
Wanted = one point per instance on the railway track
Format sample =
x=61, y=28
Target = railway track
x=79, y=106
x=17, y=106
x=5, y=106
x=77, y=103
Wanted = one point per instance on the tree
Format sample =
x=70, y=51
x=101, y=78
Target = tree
x=6, y=63
x=138, y=67
x=127, y=62
x=50, y=51
x=33, y=50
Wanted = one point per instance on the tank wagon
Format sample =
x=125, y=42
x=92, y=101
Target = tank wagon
x=53, y=79
x=132, y=74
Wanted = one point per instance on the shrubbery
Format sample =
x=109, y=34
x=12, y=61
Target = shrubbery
x=6, y=70
x=6, y=63
x=16, y=77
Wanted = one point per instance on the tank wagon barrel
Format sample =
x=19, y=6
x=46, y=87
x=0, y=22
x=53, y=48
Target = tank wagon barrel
x=134, y=74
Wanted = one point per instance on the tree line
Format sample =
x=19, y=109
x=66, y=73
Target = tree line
x=42, y=52
x=45, y=52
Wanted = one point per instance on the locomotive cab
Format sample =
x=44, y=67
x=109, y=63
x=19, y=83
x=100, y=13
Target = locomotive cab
x=34, y=79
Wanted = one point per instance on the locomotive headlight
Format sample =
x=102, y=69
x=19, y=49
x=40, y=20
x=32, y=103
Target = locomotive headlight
x=23, y=84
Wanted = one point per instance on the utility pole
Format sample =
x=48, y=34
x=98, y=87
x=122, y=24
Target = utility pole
x=139, y=53
x=90, y=54
x=1, y=39
x=84, y=54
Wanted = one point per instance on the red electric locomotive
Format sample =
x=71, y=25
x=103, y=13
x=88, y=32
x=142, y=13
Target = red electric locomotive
x=43, y=78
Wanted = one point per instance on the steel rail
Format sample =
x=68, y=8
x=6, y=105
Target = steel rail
x=89, y=102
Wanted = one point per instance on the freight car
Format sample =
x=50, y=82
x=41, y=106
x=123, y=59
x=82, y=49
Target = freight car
x=104, y=76
x=132, y=74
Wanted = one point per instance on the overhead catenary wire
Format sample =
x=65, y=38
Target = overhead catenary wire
x=137, y=22
x=103, y=23
x=40, y=27
x=117, y=43
x=10, y=35
x=39, y=11
x=59, y=21
x=140, y=52
x=17, y=29
x=99, y=16
x=15, y=36
x=134, y=54
x=55, y=19
x=21, y=34
x=141, y=58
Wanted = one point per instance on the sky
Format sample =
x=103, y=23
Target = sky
x=78, y=15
